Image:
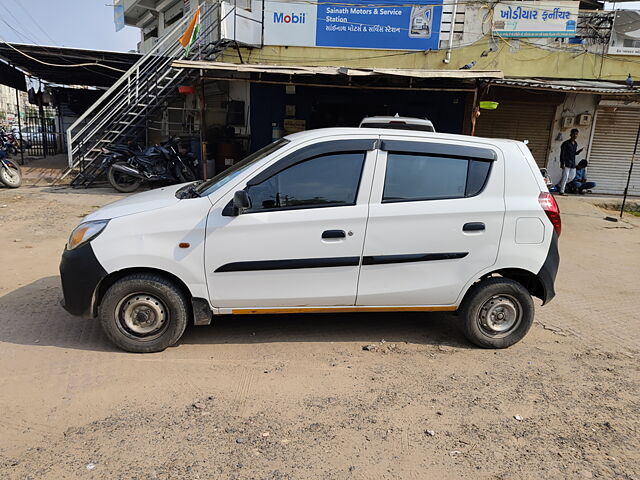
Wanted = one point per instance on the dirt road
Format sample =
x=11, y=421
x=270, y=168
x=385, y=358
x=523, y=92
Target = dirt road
x=297, y=397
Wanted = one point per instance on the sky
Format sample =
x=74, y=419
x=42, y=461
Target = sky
x=84, y=23
x=68, y=23
x=622, y=5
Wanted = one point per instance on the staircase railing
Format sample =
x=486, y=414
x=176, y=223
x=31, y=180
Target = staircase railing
x=123, y=108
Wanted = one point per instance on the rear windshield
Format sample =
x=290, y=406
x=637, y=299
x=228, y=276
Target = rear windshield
x=213, y=184
x=400, y=126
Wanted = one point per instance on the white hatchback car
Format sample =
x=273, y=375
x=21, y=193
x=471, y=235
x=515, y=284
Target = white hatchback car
x=331, y=220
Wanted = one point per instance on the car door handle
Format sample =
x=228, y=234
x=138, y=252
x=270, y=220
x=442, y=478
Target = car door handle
x=473, y=227
x=333, y=234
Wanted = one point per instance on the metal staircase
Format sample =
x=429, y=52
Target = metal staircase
x=122, y=111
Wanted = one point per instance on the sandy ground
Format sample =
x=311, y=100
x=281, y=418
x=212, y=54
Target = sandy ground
x=297, y=397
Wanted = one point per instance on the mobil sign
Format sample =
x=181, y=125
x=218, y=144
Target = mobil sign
x=291, y=24
x=385, y=24
x=281, y=17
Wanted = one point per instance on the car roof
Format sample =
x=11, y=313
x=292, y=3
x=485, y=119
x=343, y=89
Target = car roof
x=319, y=133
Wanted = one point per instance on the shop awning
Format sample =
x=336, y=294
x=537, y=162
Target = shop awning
x=68, y=66
x=571, y=86
x=341, y=71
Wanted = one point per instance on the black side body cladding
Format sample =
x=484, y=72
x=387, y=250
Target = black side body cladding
x=81, y=273
x=298, y=263
x=416, y=257
x=291, y=264
x=549, y=270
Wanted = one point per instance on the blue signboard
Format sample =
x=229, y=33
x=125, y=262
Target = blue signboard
x=118, y=15
x=387, y=24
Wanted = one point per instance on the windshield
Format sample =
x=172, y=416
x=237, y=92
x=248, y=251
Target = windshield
x=400, y=126
x=213, y=184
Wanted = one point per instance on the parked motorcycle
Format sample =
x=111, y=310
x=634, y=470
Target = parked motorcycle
x=10, y=143
x=160, y=163
x=10, y=173
x=110, y=155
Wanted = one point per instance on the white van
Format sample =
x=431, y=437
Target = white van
x=331, y=220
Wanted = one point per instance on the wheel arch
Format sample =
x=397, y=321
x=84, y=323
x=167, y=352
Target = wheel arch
x=113, y=277
x=529, y=280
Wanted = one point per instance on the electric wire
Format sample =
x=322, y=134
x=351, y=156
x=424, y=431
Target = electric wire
x=34, y=21
x=391, y=4
x=33, y=40
x=87, y=64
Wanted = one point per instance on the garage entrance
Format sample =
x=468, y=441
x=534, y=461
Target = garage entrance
x=307, y=107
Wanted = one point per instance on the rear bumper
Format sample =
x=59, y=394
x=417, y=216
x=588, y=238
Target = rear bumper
x=81, y=273
x=549, y=270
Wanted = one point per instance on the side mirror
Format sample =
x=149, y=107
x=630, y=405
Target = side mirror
x=240, y=202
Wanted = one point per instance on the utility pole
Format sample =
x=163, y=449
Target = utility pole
x=21, y=143
x=633, y=157
x=203, y=130
x=43, y=126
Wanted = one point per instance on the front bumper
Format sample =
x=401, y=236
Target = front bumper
x=81, y=273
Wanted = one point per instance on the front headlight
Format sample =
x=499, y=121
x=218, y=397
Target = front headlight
x=85, y=232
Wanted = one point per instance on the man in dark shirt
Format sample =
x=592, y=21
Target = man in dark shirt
x=568, y=152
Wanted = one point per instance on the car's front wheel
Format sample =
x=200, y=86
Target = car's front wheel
x=497, y=313
x=144, y=313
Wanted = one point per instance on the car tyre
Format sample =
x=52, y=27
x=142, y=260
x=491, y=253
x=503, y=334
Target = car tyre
x=144, y=313
x=497, y=313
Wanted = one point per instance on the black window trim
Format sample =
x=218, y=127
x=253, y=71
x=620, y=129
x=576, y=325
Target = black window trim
x=424, y=199
x=440, y=149
x=312, y=151
x=306, y=159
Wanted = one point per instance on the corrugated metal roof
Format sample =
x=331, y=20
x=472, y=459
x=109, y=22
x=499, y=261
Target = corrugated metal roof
x=55, y=64
x=353, y=72
x=575, y=86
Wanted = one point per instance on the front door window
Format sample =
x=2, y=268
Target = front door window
x=324, y=181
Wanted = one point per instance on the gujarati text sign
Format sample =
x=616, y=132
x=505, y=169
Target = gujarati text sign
x=535, y=19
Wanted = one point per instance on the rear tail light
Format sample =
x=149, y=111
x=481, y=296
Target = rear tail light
x=550, y=207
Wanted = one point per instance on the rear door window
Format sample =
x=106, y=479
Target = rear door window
x=416, y=176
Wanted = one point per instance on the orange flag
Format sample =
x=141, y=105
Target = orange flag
x=190, y=34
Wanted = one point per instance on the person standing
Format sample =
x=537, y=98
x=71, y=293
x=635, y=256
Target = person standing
x=568, y=152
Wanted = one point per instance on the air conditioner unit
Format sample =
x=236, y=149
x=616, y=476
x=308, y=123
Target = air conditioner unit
x=567, y=122
x=584, y=119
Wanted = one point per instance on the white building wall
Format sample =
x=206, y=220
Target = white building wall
x=574, y=105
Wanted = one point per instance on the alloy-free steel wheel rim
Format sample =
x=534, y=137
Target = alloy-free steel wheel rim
x=499, y=316
x=142, y=316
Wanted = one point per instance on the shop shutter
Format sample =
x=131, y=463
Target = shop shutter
x=614, y=137
x=520, y=121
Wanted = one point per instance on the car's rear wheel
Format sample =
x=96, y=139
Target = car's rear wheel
x=497, y=313
x=144, y=313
